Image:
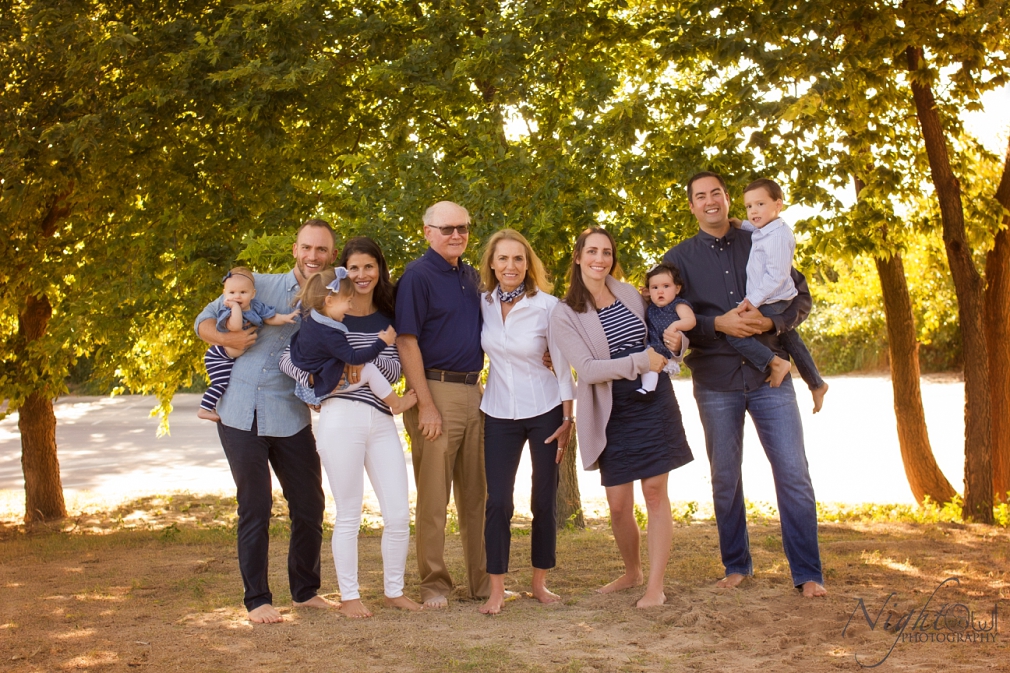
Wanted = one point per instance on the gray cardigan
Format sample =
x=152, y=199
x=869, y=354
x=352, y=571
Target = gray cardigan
x=581, y=338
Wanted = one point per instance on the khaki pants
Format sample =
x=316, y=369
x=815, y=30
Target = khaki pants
x=455, y=460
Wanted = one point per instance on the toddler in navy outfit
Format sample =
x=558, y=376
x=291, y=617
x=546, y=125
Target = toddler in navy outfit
x=665, y=309
x=320, y=346
x=240, y=311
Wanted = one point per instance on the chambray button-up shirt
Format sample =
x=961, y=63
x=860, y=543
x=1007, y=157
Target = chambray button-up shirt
x=258, y=389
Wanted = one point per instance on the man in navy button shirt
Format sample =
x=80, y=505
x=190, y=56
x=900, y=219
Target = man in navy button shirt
x=263, y=424
x=713, y=264
x=438, y=321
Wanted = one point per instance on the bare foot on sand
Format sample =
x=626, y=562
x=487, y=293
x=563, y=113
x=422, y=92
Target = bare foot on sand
x=265, y=614
x=317, y=602
x=779, y=369
x=436, y=603
x=819, y=397
x=208, y=415
x=496, y=601
x=403, y=603
x=650, y=600
x=814, y=590
x=623, y=582
x=545, y=595
x=731, y=581
x=354, y=609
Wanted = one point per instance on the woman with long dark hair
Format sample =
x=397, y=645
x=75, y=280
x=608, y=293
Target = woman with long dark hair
x=600, y=328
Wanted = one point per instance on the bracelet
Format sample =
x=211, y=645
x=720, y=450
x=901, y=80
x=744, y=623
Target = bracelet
x=568, y=418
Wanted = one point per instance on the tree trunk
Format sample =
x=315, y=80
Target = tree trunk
x=37, y=423
x=924, y=476
x=997, y=323
x=569, y=502
x=968, y=287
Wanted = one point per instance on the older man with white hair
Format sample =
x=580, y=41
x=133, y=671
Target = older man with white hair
x=438, y=321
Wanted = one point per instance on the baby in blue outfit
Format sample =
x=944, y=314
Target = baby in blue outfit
x=665, y=309
x=240, y=311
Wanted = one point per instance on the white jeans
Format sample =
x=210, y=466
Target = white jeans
x=351, y=438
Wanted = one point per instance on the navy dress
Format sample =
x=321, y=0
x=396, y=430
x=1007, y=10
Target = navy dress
x=645, y=434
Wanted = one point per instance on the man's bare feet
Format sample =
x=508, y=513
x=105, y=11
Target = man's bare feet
x=436, y=603
x=731, y=581
x=819, y=397
x=399, y=404
x=402, y=602
x=265, y=614
x=650, y=600
x=545, y=595
x=779, y=369
x=814, y=590
x=625, y=581
x=207, y=415
x=354, y=609
x=317, y=602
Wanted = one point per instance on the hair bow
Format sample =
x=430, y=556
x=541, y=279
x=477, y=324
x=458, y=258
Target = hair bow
x=226, y=277
x=335, y=285
x=231, y=274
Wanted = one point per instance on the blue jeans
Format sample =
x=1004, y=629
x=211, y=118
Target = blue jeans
x=777, y=420
x=761, y=356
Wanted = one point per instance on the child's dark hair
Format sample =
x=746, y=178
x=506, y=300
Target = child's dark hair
x=665, y=267
x=769, y=186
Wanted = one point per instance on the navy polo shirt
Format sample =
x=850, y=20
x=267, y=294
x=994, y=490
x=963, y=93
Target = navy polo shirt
x=714, y=271
x=440, y=305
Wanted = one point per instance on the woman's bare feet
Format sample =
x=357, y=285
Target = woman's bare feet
x=814, y=590
x=207, y=415
x=317, y=602
x=354, y=609
x=399, y=404
x=779, y=369
x=496, y=601
x=651, y=600
x=731, y=581
x=540, y=590
x=401, y=602
x=819, y=397
x=265, y=614
x=625, y=581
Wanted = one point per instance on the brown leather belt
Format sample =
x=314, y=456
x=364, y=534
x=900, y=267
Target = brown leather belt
x=469, y=378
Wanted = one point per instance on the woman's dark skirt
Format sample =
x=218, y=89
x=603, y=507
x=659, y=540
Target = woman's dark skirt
x=645, y=437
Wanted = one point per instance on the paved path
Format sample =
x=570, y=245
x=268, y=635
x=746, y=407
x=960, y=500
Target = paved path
x=110, y=446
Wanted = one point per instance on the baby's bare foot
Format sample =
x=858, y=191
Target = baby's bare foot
x=780, y=368
x=207, y=415
x=819, y=397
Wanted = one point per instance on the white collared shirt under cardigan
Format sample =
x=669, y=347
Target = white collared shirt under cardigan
x=583, y=342
x=518, y=383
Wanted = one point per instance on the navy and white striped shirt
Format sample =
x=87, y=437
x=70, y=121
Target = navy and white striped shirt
x=362, y=331
x=623, y=328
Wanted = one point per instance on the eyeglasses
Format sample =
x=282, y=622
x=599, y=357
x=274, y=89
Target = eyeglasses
x=461, y=229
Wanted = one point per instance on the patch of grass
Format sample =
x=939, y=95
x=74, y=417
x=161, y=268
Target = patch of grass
x=641, y=517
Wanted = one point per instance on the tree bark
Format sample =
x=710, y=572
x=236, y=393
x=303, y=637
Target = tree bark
x=968, y=286
x=997, y=324
x=37, y=423
x=569, y=502
x=924, y=476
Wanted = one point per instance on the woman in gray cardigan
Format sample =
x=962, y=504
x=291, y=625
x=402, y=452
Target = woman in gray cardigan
x=600, y=328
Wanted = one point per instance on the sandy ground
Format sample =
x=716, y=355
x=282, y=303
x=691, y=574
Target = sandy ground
x=170, y=599
x=109, y=449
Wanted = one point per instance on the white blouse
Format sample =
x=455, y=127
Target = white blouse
x=518, y=383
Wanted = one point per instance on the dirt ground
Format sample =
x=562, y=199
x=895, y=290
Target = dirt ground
x=154, y=585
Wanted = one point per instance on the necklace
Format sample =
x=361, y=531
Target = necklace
x=509, y=297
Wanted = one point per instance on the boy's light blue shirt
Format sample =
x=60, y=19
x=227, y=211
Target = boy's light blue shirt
x=770, y=263
x=258, y=388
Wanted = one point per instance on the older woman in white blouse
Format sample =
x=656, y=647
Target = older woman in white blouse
x=523, y=401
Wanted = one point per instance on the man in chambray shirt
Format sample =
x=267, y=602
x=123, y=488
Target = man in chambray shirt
x=263, y=424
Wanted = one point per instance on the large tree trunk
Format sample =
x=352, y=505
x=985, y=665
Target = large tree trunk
x=924, y=476
x=997, y=323
x=37, y=423
x=569, y=502
x=968, y=287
